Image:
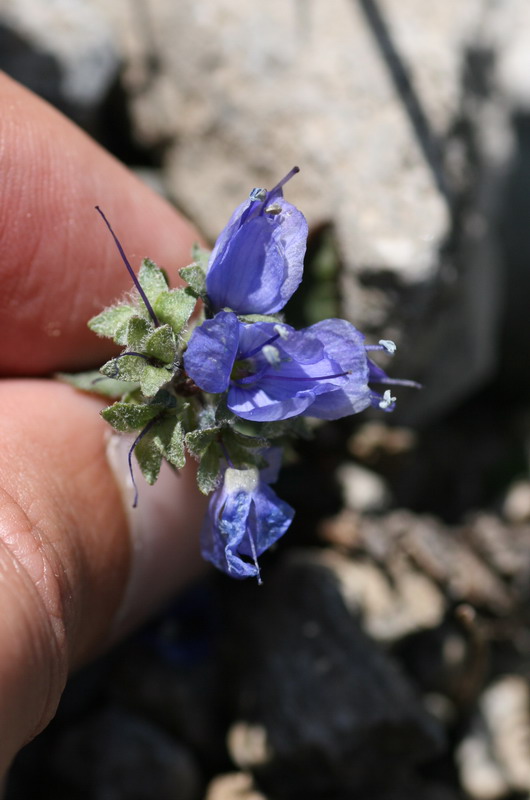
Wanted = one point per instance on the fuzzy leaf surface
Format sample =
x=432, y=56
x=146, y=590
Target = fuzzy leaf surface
x=175, y=307
x=127, y=368
x=138, y=328
x=152, y=280
x=149, y=457
x=112, y=322
x=168, y=436
x=208, y=474
x=195, y=277
x=198, y=442
x=128, y=417
x=94, y=382
x=153, y=378
x=161, y=344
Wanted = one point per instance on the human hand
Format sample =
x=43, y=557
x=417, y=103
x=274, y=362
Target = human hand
x=77, y=565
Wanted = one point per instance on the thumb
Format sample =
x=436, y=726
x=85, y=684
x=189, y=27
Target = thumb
x=76, y=567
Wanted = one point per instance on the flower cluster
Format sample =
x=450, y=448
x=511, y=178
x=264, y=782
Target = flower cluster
x=227, y=384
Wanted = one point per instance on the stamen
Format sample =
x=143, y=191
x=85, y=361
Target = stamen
x=384, y=344
x=272, y=355
x=281, y=331
x=258, y=194
x=130, y=269
x=388, y=345
x=131, y=451
x=397, y=382
x=269, y=376
x=284, y=180
x=387, y=400
x=274, y=209
x=260, y=347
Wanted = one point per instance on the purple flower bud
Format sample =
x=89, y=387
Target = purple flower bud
x=257, y=262
x=245, y=517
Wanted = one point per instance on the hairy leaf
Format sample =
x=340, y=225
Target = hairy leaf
x=175, y=308
x=198, y=442
x=152, y=280
x=161, y=344
x=208, y=474
x=112, y=322
x=149, y=457
x=128, y=417
x=94, y=382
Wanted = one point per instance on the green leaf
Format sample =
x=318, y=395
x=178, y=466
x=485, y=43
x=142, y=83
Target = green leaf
x=152, y=280
x=94, y=382
x=149, y=457
x=126, y=368
x=168, y=436
x=161, y=344
x=208, y=474
x=244, y=450
x=112, y=322
x=138, y=329
x=195, y=278
x=153, y=378
x=175, y=308
x=129, y=417
x=198, y=442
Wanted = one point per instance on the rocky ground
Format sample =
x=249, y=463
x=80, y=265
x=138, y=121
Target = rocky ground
x=387, y=655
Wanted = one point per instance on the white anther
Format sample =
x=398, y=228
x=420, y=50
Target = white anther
x=272, y=355
x=387, y=400
x=282, y=331
x=258, y=194
x=389, y=345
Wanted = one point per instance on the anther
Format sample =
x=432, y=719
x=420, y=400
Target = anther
x=258, y=194
x=388, y=345
x=387, y=400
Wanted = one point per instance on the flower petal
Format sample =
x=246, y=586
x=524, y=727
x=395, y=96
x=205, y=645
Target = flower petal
x=212, y=351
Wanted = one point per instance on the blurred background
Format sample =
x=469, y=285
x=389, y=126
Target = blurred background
x=388, y=654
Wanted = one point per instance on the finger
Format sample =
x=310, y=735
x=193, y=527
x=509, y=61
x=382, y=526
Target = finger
x=58, y=263
x=67, y=560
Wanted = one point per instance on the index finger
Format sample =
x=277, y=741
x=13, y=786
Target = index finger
x=58, y=264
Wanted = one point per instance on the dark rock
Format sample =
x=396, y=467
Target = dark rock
x=117, y=756
x=319, y=705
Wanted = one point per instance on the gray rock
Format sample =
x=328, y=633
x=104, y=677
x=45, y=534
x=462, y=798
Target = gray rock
x=62, y=49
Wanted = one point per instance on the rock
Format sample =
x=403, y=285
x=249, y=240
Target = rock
x=317, y=704
x=363, y=490
x=494, y=756
x=63, y=50
x=233, y=786
x=118, y=756
x=516, y=506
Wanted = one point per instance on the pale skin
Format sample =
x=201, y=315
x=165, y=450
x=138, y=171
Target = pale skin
x=65, y=542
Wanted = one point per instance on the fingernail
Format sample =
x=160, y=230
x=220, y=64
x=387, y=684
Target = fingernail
x=164, y=529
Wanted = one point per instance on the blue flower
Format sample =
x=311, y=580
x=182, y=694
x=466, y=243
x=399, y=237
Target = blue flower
x=272, y=372
x=245, y=517
x=257, y=261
